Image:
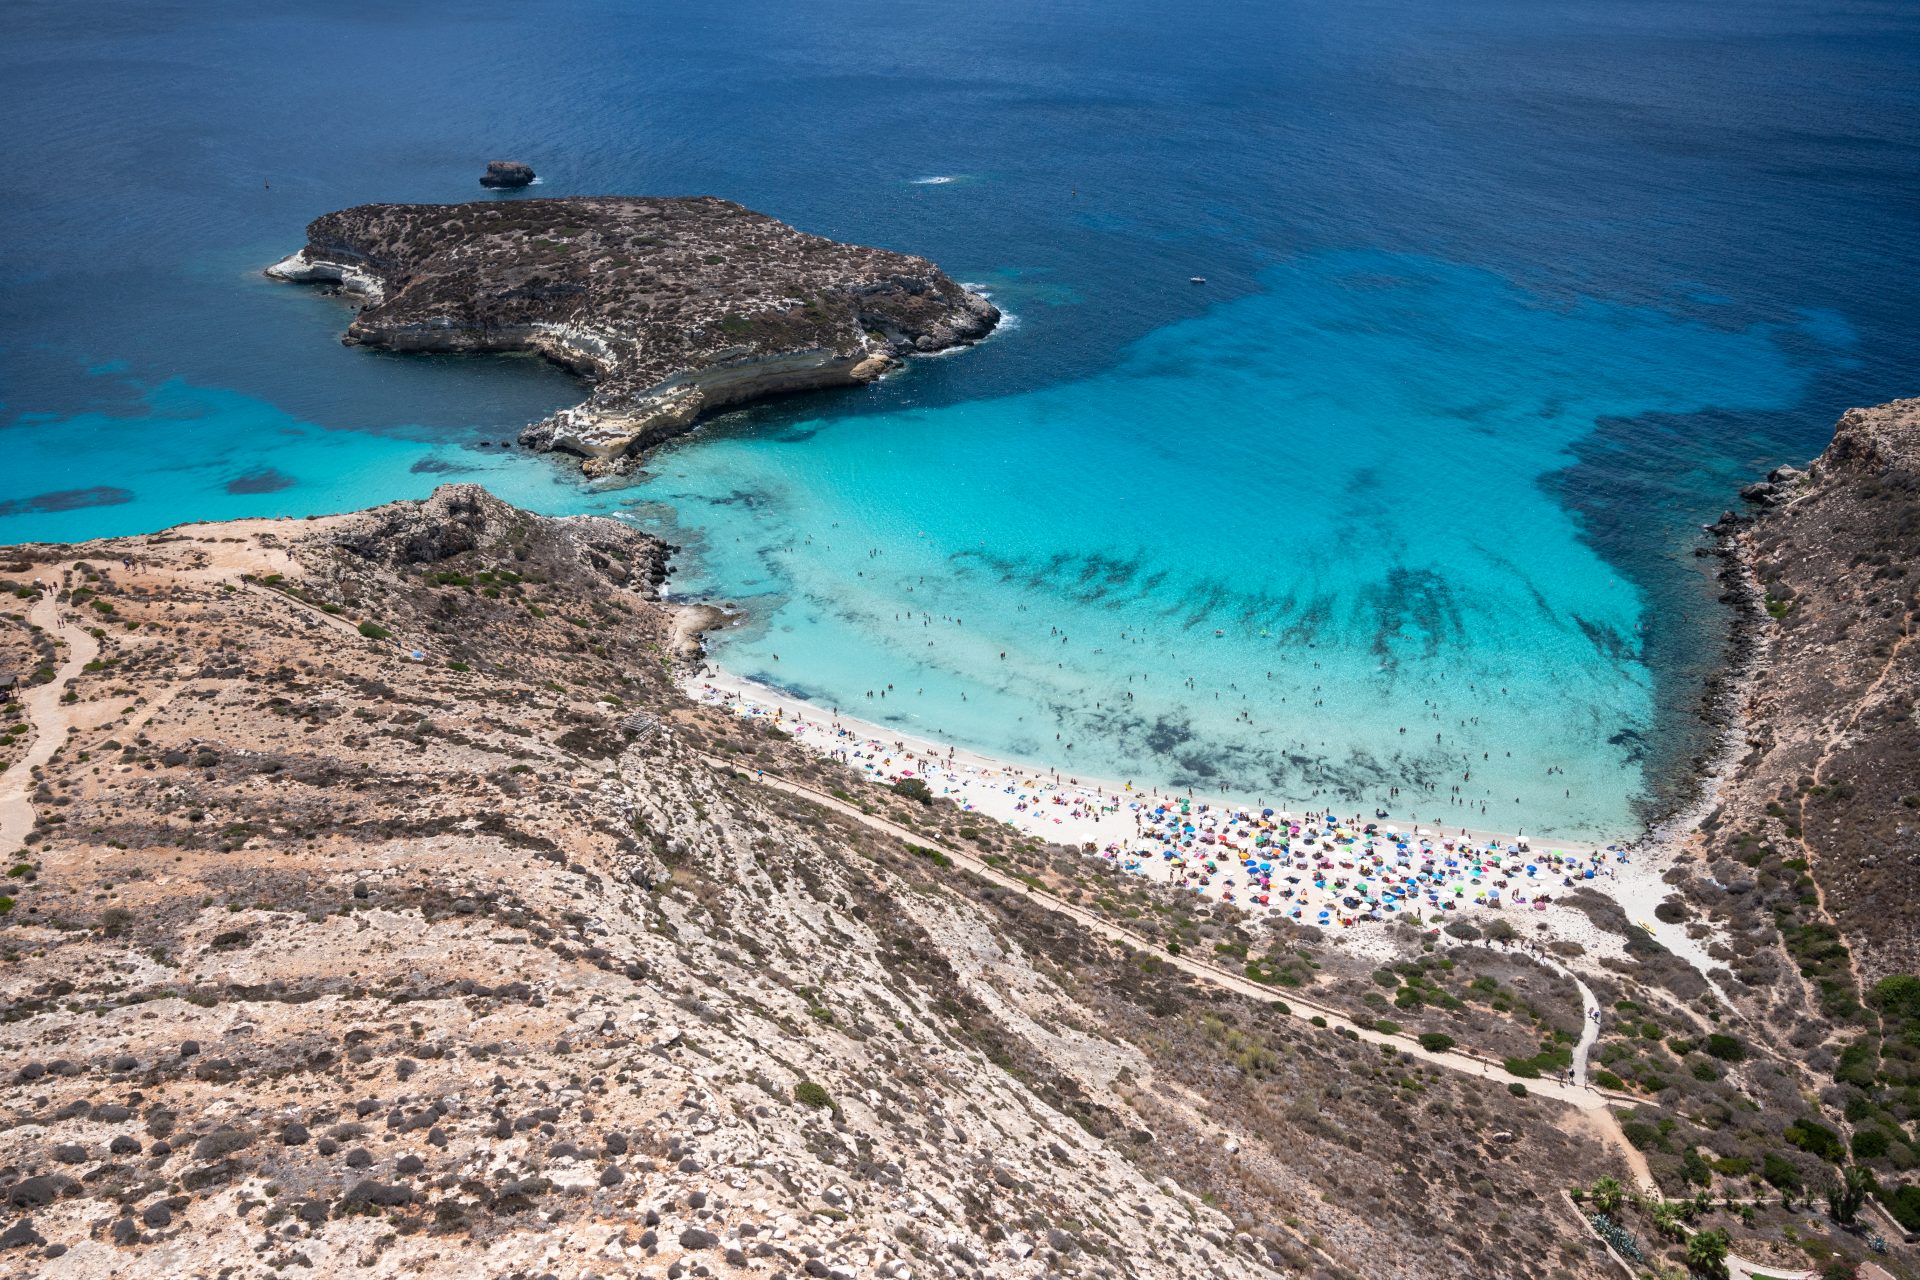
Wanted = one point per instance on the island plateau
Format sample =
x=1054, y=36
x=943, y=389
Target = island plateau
x=673, y=307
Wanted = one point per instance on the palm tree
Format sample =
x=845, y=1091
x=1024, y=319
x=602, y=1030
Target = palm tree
x=1848, y=1193
x=1608, y=1195
x=1707, y=1253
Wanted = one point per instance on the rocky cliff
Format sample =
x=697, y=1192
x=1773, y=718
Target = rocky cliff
x=672, y=307
x=1796, y=1064
x=1832, y=767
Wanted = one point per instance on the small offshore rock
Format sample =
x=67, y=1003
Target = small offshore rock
x=507, y=174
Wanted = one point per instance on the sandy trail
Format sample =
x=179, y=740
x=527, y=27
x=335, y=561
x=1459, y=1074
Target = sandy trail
x=50, y=719
x=1593, y=1103
x=1589, y=1018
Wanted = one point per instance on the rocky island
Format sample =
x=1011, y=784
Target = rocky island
x=672, y=307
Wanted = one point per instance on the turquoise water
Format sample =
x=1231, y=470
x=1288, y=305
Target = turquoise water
x=1308, y=575
x=1504, y=301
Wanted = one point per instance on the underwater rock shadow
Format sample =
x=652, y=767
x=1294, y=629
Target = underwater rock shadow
x=58, y=500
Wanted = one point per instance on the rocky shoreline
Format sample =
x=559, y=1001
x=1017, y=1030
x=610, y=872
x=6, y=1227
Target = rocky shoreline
x=672, y=307
x=1824, y=570
x=1724, y=694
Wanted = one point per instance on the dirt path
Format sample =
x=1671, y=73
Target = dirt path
x=50, y=719
x=1589, y=1018
x=314, y=615
x=1833, y=743
x=1598, y=1117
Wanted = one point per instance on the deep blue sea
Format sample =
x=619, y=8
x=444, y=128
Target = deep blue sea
x=1503, y=300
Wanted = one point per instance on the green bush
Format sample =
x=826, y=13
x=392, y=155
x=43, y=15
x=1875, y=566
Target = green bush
x=374, y=631
x=1859, y=1062
x=1870, y=1144
x=1435, y=1041
x=1725, y=1047
x=1904, y=1205
x=934, y=856
x=1779, y=1171
x=1817, y=1139
x=1898, y=997
x=809, y=1094
x=1642, y=1134
x=914, y=789
x=1517, y=1089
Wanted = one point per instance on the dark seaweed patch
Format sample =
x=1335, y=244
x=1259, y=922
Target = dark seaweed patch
x=1416, y=599
x=1615, y=647
x=99, y=495
x=265, y=480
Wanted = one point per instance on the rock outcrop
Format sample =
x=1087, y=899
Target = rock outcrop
x=673, y=307
x=1832, y=777
x=507, y=174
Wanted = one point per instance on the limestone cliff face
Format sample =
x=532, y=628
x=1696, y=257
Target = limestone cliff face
x=1830, y=783
x=673, y=307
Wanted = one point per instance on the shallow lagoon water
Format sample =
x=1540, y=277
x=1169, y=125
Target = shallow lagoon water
x=1503, y=302
x=1297, y=548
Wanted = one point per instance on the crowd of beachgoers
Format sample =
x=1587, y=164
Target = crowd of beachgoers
x=1318, y=868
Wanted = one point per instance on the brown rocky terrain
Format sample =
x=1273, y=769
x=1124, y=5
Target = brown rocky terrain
x=674, y=307
x=1833, y=770
x=1793, y=1064
x=387, y=910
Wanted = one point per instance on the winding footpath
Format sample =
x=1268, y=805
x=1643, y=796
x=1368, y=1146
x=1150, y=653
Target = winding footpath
x=1589, y=1018
x=49, y=717
x=1591, y=1104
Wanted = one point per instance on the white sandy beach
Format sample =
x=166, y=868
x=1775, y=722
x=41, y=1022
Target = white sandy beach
x=1229, y=850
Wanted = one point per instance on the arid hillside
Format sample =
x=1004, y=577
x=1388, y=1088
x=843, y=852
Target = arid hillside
x=381, y=908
